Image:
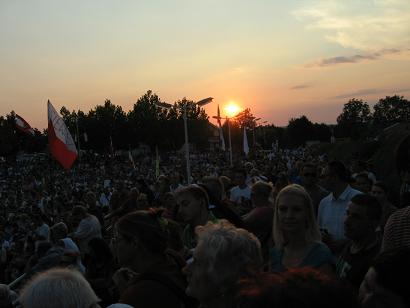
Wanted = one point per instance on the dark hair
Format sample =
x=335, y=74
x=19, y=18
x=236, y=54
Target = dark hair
x=339, y=169
x=147, y=226
x=372, y=205
x=393, y=272
x=196, y=191
x=79, y=210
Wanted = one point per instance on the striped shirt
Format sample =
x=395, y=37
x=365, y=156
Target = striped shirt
x=397, y=230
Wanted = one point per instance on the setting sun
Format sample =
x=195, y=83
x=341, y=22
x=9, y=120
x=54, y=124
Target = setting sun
x=232, y=109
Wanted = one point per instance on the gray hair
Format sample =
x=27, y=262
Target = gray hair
x=58, y=287
x=232, y=253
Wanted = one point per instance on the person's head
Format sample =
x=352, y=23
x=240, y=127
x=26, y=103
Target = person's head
x=176, y=178
x=139, y=236
x=295, y=288
x=240, y=177
x=58, y=231
x=78, y=213
x=214, y=186
x=90, y=199
x=260, y=193
x=335, y=174
x=294, y=214
x=58, y=287
x=386, y=282
x=193, y=202
x=248, y=167
x=212, y=273
x=226, y=182
x=359, y=166
x=281, y=181
x=380, y=191
x=309, y=175
x=363, y=183
x=163, y=183
x=363, y=216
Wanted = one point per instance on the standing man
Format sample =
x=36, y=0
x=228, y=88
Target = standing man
x=332, y=209
x=362, y=219
x=309, y=178
x=241, y=193
x=88, y=228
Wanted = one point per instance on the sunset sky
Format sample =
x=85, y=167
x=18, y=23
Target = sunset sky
x=280, y=58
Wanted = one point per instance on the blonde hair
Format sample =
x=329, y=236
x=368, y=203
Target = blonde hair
x=312, y=229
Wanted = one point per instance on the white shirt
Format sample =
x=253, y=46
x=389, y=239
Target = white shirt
x=88, y=229
x=332, y=212
x=237, y=194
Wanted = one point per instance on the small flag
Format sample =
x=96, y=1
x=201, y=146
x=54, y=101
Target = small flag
x=131, y=159
x=22, y=125
x=221, y=134
x=245, y=142
x=61, y=144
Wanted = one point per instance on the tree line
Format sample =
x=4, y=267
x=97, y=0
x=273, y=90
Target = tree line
x=108, y=126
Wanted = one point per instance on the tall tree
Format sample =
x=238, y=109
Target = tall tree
x=299, y=131
x=390, y=110
x=355, y=118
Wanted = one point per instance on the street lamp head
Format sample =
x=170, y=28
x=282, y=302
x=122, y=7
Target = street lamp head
x=204, y=101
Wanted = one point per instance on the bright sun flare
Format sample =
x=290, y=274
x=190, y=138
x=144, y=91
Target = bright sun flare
x=232, y=109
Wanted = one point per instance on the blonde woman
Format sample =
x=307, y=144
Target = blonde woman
x=296, y=233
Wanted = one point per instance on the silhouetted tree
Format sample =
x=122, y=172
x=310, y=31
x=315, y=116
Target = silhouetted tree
x=354, y=119
x=390, y=110
x=299, y=131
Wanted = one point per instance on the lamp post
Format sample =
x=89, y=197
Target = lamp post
x=200, y=103
x=230, y=141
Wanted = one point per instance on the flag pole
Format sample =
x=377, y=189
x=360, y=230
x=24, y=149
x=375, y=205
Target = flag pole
x=188, y=169
x=230, y=142
x=78, y=138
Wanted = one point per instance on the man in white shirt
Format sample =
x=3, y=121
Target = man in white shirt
x=332, y=208
x=241, y=193
x=88, y=228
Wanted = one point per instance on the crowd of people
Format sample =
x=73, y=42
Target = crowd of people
x=287, y=228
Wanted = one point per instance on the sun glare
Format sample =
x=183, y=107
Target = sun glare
x=232, y=109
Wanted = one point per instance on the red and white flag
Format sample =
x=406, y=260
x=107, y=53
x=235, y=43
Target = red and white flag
x=61, y=144
x=22, y=125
